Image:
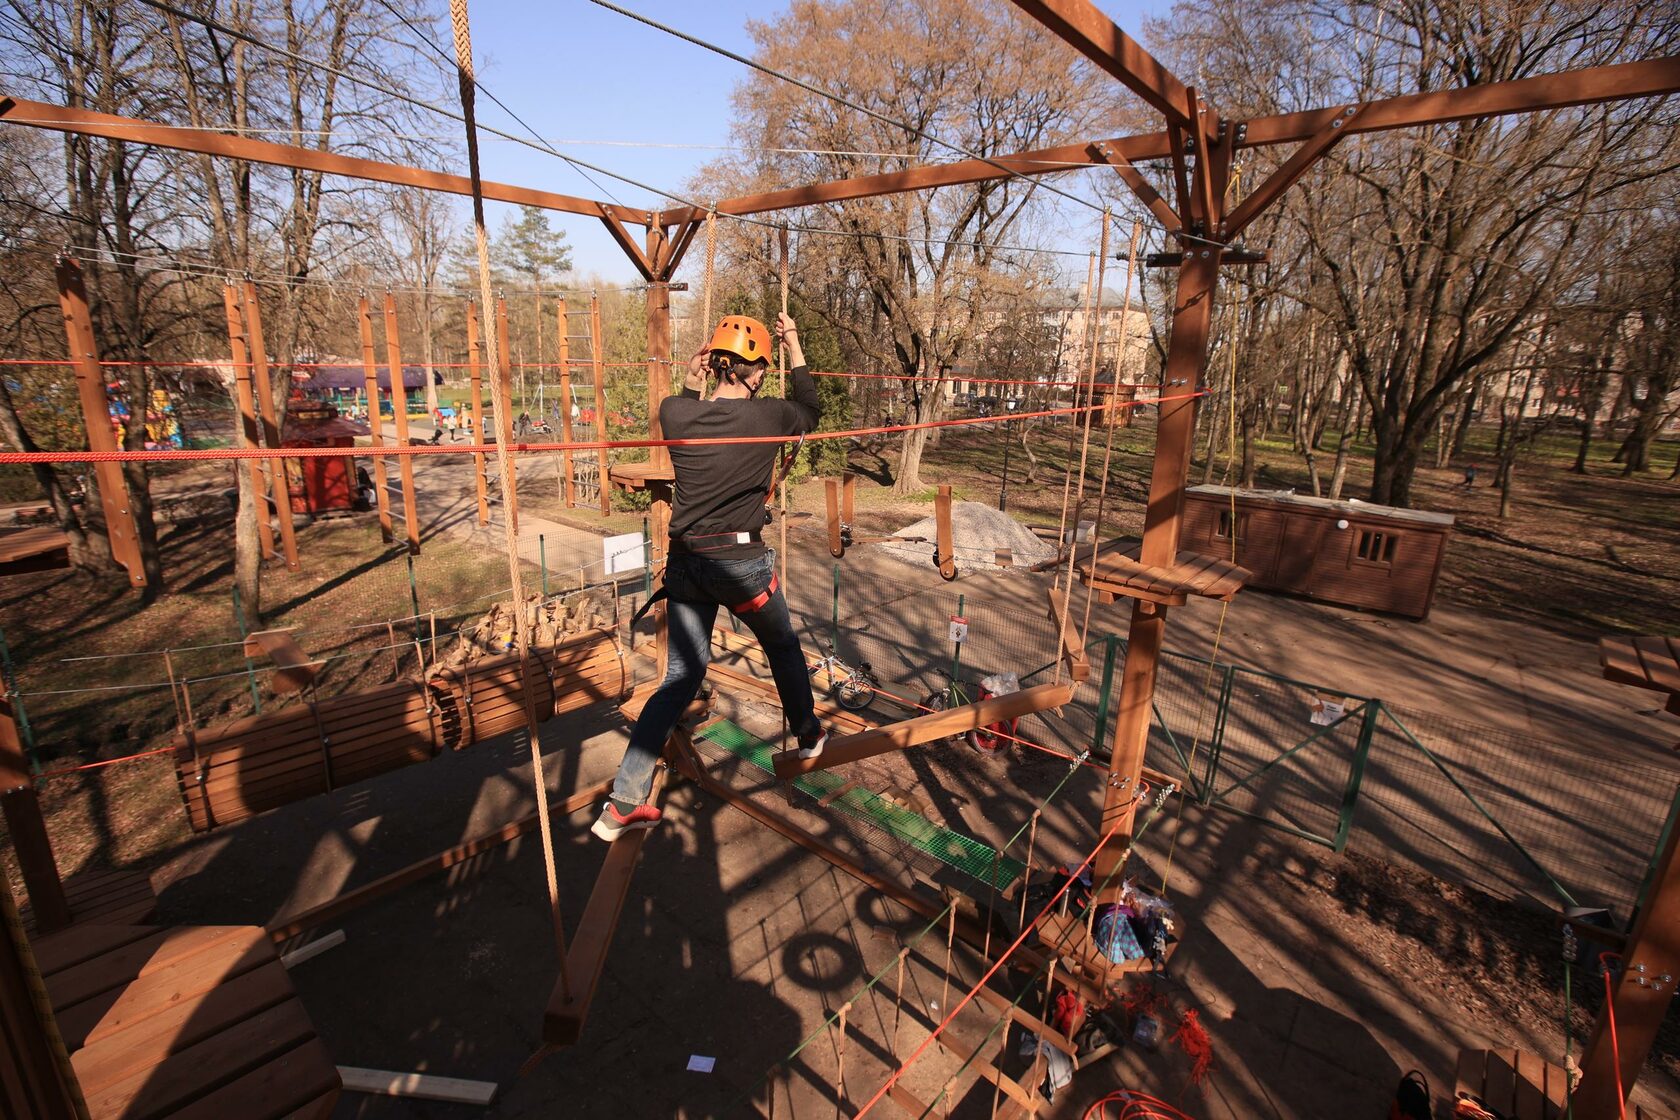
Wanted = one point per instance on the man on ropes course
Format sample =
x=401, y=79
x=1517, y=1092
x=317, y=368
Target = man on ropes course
x=717, y=554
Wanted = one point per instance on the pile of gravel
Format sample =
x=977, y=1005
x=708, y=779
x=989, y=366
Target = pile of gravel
x=977, y=532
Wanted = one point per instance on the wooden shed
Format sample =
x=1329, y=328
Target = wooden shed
x=1347, y=552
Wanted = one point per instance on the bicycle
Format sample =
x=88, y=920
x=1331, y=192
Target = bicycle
x=991, y=736
x=852, y=688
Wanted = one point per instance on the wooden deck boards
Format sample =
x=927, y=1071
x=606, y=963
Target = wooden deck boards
x=37, y=549
x=1512, y=1083
x=194, y=1022
x=1118, y=571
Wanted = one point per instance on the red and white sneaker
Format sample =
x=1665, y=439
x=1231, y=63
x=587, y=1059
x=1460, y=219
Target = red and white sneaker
x=612, y=824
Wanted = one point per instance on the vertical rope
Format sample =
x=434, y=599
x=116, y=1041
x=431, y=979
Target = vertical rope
x=840, y=1065
x=1084, y=446
x=1026, y=876
x=521, y=629
x=950, y=936
x=898, y=1000
x=706, y=300
x=1108, y=446
x=782, y=362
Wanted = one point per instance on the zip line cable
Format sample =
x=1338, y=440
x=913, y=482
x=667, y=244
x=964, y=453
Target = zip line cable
x=838, y=100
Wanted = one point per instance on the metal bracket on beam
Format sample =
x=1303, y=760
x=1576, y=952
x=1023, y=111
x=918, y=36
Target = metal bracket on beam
x=1229, y=256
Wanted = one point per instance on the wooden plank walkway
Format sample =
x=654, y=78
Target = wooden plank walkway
x=195, y=1022
x=1118, y=571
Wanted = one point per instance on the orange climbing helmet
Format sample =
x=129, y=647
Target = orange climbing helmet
x=747, y=339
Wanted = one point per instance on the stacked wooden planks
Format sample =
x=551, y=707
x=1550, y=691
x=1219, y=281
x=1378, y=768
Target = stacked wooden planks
x=486, y=699
x=262, y=762
x=259, y=763
x=185, y=1023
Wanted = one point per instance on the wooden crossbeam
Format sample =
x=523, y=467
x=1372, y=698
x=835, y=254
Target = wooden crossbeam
x=587, y=958
x=1079, y=666
x=1145, y=191
x=926, y=729
x=1087, y=30
x=1297, y=165
x=296, y=670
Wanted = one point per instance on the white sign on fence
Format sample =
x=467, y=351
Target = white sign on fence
x=623, y=553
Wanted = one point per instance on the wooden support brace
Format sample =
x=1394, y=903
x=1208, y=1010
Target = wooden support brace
x=836, y=542
x=1079, y=666
x=945, y=558
x=290, y=926
x=420, y=1086
x=296, y=670
x=587, y=959
x=926, y=729
x=1133, y=178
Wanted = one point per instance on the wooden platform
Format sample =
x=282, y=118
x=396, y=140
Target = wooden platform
x=1064, y=936
x=104, y=896
x=36, y=549
x=1651, y=662
x=195, y=1023
x=1510, y=1083
x=640, y=476
x=1118, y=571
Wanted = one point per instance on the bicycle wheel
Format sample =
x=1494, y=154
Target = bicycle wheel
x=854, y=693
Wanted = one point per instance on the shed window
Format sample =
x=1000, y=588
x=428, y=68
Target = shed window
x=1376, y=547
x=1223, y=530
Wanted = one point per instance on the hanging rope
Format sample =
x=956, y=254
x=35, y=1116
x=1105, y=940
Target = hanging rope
x=1610, y=1018
x=1111, y=420
x=898, y=999
x=950, y=936
x=706, y=301
x=1084, y=445
x=504, y=464
x=1026, y=875
x=781, y=348
x=840, y=1064
x=1067, y=456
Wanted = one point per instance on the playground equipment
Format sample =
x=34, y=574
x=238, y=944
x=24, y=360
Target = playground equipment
x=1201, y=146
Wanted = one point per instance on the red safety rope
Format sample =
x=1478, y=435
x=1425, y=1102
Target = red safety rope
x=224, y=453
x=972, y=992
x=1610, y=1017
x=45, y=774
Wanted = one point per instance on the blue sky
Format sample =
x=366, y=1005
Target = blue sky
x=578, y=72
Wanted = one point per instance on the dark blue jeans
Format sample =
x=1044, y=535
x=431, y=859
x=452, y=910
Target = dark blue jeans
x=696, y=587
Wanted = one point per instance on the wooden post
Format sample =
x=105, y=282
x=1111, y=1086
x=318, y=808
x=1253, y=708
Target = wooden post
x=277, y=476
x=37, y=1081
x=28, y=830
x=1641, y=996
x=504, y=424
x=568, y=487
x=376, y=426
x=474, y=360
x=1182, y=375
x=658, y=348
x=947, y=562
x=399, y=406
x=831, y=493
x=96, y=418
x=247, y=401
x=599, y=370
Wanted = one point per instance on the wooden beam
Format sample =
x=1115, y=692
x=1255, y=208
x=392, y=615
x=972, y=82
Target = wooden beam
x=1286, y=176
x=376, y=422
x=831, y=494
x=96, y=419
x=628, y=244
x=1083, y=27
x=418, y=1086
x=1133, y=178
x=40, y=114
x=290, y=926
x=21, y=808
x=1644, y=989
x=568, y=487
x=1073, y=654
x=926, y=728
x=246, y=398
x=1207, y=207
x=279, y=483
x=399, y=408
x=945, y=559
x=567, y=1011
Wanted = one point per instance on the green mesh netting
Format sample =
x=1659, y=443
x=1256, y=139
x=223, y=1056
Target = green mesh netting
x=953, y=849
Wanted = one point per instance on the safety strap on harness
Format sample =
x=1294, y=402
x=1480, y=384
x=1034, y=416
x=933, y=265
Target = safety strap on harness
x=755, y=603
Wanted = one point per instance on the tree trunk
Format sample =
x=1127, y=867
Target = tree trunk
x=88, y=551
x=1505, y=491
x=426, y=349
x=1344, y=439
x=923, y=405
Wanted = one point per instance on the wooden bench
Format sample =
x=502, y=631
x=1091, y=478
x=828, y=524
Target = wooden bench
x=105, y=896
x=194, y=1023
x=38, y=549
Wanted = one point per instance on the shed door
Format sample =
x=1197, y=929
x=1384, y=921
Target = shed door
x=1301, y=539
